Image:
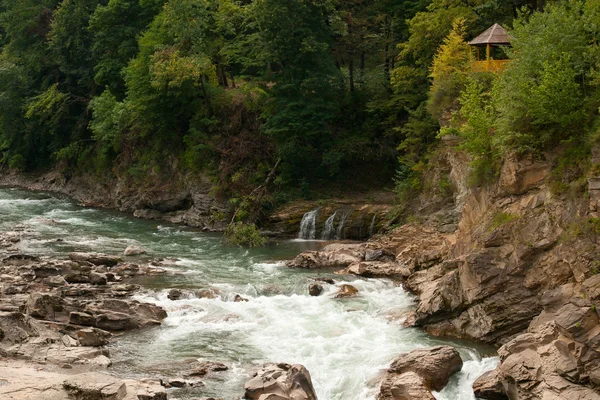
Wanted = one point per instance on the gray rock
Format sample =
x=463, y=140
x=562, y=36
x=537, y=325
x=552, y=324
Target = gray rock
x=314, y=289
x=95, y=258
x=98, y=278
x=280, y=382
x=92, y=337
x=177, y=382
x=55, y=281
x=151, y=390
x=373, y=255
x=414, y=375
x=174, y=294
x=16, y=327
x=116, y=321
x=134, y=250
x=68, y=341
x=95, y=387
x=45, y=305
x=81, y=318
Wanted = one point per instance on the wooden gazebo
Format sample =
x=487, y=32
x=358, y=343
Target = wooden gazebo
x=488, y=49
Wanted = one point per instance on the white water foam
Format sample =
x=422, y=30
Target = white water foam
x=343, y=343
x=461, y=384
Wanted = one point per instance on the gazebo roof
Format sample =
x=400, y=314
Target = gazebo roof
x=495, y=34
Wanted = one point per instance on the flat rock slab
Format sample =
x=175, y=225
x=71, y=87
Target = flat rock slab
x=21, y=381
x=93, y=386
x=25, y=381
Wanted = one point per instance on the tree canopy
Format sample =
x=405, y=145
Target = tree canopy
x=326, y=88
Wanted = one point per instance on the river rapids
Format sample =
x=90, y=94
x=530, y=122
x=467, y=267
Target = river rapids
x=344, y=343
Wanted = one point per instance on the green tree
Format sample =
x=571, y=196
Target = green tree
x=476, y=120
x=297, y=39
x=25, y=67
x=115, y=28
x=539, y=98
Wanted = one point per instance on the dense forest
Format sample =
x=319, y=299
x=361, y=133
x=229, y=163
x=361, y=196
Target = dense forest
x=322, y=89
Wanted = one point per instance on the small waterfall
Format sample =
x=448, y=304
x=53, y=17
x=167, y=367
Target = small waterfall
x=372, y=226
x=328, y=229
x=340, y=229
x=308, y=226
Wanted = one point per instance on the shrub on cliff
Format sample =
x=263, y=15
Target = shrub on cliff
x=474, y=123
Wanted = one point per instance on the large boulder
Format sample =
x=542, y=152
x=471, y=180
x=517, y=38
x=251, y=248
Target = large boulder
x=414, y=375
x=115, y=321
x=280, y=382
x=489, y=387
x=119, y=315
x=548, y=362
x=408, y=386
x=332, y=256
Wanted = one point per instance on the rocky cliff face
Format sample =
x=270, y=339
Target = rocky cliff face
x=519, y=271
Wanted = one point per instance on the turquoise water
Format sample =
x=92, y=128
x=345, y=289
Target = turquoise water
x=344, y=343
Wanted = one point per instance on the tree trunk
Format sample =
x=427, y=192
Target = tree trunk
x=351, y=73
x=206, y=98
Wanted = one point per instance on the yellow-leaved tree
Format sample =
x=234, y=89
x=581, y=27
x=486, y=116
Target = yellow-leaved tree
x=449, y=73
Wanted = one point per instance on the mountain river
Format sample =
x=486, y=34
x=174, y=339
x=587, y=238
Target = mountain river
x=344, y=343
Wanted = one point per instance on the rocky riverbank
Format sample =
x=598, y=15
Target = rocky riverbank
x=519, y=271
x=189, y=200
x=174, y=198
x=56, y=318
